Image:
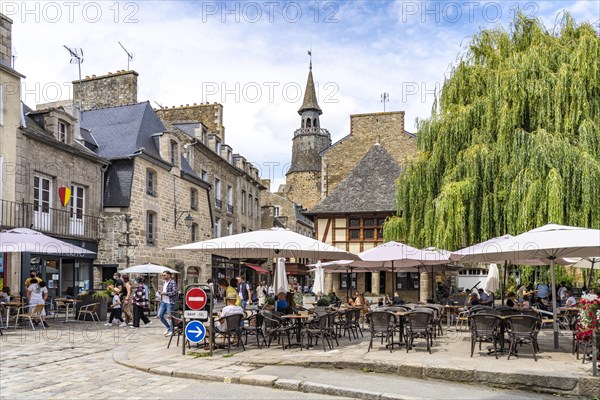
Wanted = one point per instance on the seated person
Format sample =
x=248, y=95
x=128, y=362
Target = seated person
x=484, y=298
x=570, y=299
x=397, y=300
x=229, y=309
x=446, y=300
x=334, y=299
x=511, y=301
x=281, y=305
x=359, y=300
x=5, y=294
x=473, y=300
x=525, y=304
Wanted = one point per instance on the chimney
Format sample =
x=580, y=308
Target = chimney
x=111, y=90
x=5, y=40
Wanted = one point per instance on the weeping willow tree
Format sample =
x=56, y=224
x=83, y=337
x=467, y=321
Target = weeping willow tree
x=513, y=141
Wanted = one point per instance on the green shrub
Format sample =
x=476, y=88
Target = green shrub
x=324, y=302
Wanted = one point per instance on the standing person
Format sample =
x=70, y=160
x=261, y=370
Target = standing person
x=562, y=293
x=127, y=298
x=119, y=284
x=140, y=302
x=115, y=312
x=32, y=275
x=244, y=291
x=271, y=291
x=261, y=292
x=233, y=289
x=37, y=293
x=168, y=298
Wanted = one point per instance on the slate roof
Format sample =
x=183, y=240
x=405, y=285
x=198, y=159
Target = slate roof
x=310, y=96
x=121, y=131
x=369, y=187
x=88, y=139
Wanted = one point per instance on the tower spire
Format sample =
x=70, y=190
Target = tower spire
x=310, y=94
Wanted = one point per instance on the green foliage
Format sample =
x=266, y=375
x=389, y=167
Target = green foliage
x=100, y=295
x=270, y=300
x=513, y=141
x=199, y=354
x=324, y=301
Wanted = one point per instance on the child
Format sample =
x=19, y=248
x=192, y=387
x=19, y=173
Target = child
x=115, y=312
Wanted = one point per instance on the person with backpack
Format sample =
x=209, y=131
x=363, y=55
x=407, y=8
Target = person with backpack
x=140, y=302
x=244, y=291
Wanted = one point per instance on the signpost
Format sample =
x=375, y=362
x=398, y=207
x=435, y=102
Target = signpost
x=195, y=298
x=195, y=331
x=197, y=312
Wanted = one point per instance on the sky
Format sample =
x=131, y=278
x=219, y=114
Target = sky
x=252, y=56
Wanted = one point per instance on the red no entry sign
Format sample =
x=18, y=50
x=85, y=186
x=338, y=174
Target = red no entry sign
x=195, y=298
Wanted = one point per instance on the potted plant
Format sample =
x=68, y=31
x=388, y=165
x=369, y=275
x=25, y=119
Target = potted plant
x=98, y=296
x=322, y=304
x=270, y=303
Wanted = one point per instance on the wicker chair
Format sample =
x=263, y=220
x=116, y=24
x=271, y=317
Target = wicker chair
x=485, y=327
x=253, y=325
x=320, y=331
x=381, y=324
x=231, y=327
x=419, y=325
x=522, y=329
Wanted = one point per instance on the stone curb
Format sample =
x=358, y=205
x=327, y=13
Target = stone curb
x=588, y=387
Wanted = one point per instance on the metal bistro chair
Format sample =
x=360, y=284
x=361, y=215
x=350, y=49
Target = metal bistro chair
x=320, y=331
x=253, y=325
x=62, y=307
x=34, y=313
x=91, y=310
x=177, y=329
x=522, y=329
x=275, y=327
x=485, y=327
x=381, y=324
x=419, y=325
x=231, y=327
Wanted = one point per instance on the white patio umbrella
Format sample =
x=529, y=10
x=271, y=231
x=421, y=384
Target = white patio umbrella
x=269, y=243
x=547, y=242
x=280, y=282
x=23, y=240
x=319, y=284
x=148, y=268
x=493, y=279
x=585, y=263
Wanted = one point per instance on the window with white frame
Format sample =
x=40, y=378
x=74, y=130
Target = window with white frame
x=41, y=194
x=250, y=205
x=173, y=152
x=256, y=207
x=217, y=227
x=229, y=229
x=276, y=211
x=77, y=201
x=62, y=132
x=229, y=195
x=243, y=202
x=151, y=182
x=218, y=192
x=193, y=199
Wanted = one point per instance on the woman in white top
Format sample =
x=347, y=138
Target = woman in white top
x=37, y=293
x=261, y=292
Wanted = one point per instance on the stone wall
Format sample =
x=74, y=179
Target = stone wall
x=62, y=166
x=303, y=188
x=365, y=130
x=5, y=40
x=112, y=90
x=171, y=192
x=211, y=115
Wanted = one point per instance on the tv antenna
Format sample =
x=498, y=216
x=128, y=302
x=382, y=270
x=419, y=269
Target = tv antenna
x=385, y=97
x=129, y=55
x=13, y=57
x=77, y=58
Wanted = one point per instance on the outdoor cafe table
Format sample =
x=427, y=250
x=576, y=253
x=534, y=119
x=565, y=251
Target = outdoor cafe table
x=298, y=318
x=400, y=315
x=449, y=310
x=7, y=306
x=72, y=303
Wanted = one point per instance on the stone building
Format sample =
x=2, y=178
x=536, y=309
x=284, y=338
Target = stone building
x=236, y=188
x=153, y=199
x=51, y=181
x=349, y=186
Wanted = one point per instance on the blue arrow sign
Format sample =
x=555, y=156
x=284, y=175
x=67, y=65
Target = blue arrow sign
x=195, y=331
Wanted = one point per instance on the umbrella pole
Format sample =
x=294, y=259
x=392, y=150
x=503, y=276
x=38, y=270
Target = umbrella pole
x=393, y=284
x=432, y=285
x=589, y=284
x=554, y=322
x=348, y=283
x=504, y=280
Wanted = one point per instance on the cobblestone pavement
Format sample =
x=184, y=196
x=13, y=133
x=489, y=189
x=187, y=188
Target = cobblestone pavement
x=76, y=361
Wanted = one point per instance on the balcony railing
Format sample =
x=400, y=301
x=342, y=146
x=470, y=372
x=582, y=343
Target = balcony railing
x=311, y=131
x=219, y=203
x=229, y=208
x=48, y=220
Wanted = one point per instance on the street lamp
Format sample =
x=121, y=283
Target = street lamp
x=188, y=220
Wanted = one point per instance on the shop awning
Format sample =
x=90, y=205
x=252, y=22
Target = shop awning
x=258, y=269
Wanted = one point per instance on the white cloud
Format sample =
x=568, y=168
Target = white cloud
x=182, y=48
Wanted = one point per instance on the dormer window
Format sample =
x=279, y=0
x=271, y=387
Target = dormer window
x=62, y=132
x=218, y=148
